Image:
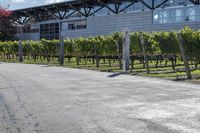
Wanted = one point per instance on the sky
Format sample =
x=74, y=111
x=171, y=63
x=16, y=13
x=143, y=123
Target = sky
x=20, y=4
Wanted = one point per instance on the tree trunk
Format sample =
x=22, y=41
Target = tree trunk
x=142, y=43
x=77, y=61
x=20, y=52
x=96, y=56
x=61, y=51
x=132, y=63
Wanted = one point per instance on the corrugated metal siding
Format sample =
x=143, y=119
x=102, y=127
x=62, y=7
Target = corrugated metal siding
x=135, y=21
x=103, y=25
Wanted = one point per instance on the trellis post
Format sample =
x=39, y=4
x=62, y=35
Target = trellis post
x=126, y=50
x=184, y=57
x=20, y=50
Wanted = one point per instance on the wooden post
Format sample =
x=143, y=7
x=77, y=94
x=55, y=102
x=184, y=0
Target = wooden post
x=142, y=43
x=184, y=57
x=20, y=51
x=61, y=51
x=126, y=50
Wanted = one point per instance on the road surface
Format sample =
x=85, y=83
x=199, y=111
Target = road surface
x=42, y=99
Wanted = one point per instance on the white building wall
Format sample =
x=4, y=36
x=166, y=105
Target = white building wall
x=103, y=25
x=29, y=36
x=135, y=21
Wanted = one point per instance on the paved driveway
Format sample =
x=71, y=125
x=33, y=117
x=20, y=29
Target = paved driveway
x=42, y=99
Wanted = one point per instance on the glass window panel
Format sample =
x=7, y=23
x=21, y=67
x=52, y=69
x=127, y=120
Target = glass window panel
x=156, y=17
x=78, y=24
x=191, y=14
x=180, y=17
x=175, y=15
x=49, y=31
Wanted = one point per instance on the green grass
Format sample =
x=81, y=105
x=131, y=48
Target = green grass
x=164, y=72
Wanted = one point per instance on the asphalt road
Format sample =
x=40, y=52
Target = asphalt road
x=42, y=99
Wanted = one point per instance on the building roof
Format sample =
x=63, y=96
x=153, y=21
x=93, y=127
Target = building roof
x=72, y=3
x=72, y=6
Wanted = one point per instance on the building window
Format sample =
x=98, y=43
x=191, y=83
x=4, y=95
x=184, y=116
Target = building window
x=27, y=29
x=49, y=31
x=191, y=14
x=78, y=24
x=81, y=24
x=156, y=17
x=180, y=15
x=176, y=15
x=71, y=26
x=165, y=17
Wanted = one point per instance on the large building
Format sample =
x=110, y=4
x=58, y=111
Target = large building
x=100, y=17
